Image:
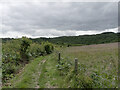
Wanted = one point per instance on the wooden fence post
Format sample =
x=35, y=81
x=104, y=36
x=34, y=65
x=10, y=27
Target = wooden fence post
x=76, y=65
x=59, y=57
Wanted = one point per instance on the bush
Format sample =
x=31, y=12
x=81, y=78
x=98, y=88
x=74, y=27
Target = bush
x=18, y=52
x=48, y=48
x=25, y=43
x=35, y=50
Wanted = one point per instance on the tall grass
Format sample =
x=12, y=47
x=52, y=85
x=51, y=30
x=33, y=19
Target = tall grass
x=97, y=68
x=100, y=64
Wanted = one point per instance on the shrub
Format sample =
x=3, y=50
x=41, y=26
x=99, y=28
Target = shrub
x=48, y=48
x=23, y=48
x=17, y=52
x=35, y=50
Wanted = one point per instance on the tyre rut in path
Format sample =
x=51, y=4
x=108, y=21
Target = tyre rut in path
x=38, y=74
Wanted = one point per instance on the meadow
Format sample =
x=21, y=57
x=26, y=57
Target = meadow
x=99, y=61
x=97, y=68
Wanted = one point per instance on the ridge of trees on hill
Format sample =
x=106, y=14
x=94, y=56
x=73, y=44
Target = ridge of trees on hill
x=105, y=37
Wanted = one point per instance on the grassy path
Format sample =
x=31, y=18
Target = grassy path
x=50, y=77
x=29, y=76
x=40, y=73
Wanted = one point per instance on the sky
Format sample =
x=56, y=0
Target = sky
x=53, y=19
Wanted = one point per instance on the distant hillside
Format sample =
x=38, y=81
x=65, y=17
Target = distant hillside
x=106, y=37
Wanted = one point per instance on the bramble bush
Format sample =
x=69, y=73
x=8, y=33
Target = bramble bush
x=18, y=52
x=25, y=44
x=48, y=47
x=81, y=79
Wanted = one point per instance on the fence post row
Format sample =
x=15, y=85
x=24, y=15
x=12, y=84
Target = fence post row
x=76, y=64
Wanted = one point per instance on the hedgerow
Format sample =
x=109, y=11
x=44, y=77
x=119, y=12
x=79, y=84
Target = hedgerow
x=18, y=52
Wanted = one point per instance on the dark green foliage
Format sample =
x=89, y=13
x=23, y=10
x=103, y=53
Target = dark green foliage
x=10, y=58
x=35, y=50
x=23, y=48
x=106, y=37
x=48, y=48
x=68, y=45
x=18, y=52
x=76, y=80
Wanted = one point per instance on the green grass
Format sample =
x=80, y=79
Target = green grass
x=27, y=77
x=97, y=68
x=100, y=62
x=38, y=74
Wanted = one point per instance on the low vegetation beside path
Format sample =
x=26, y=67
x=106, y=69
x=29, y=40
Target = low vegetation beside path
x=97, y=68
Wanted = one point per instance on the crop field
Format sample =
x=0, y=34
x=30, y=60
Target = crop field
x=97, y=68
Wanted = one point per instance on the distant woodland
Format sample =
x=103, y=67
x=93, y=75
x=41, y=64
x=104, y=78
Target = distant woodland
x=106, y=37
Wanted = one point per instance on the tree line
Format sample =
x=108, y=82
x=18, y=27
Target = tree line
x=106, y=37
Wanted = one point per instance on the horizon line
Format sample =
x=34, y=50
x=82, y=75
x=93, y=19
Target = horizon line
x=57, y=36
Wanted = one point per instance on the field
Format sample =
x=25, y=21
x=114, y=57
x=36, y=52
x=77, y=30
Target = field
x=97, y=68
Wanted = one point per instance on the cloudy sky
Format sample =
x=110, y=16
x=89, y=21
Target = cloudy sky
x=51, y=19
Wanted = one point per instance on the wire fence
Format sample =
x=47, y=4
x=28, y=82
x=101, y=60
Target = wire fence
x=60, y=61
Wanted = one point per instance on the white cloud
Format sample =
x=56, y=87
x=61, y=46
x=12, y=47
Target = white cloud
x=39, y=33
x=54, y=33
x=35, y=19
x=115, y=30
x=36, y=1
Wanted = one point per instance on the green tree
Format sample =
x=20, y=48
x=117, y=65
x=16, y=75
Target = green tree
x=23, y=49
x=48, y=47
